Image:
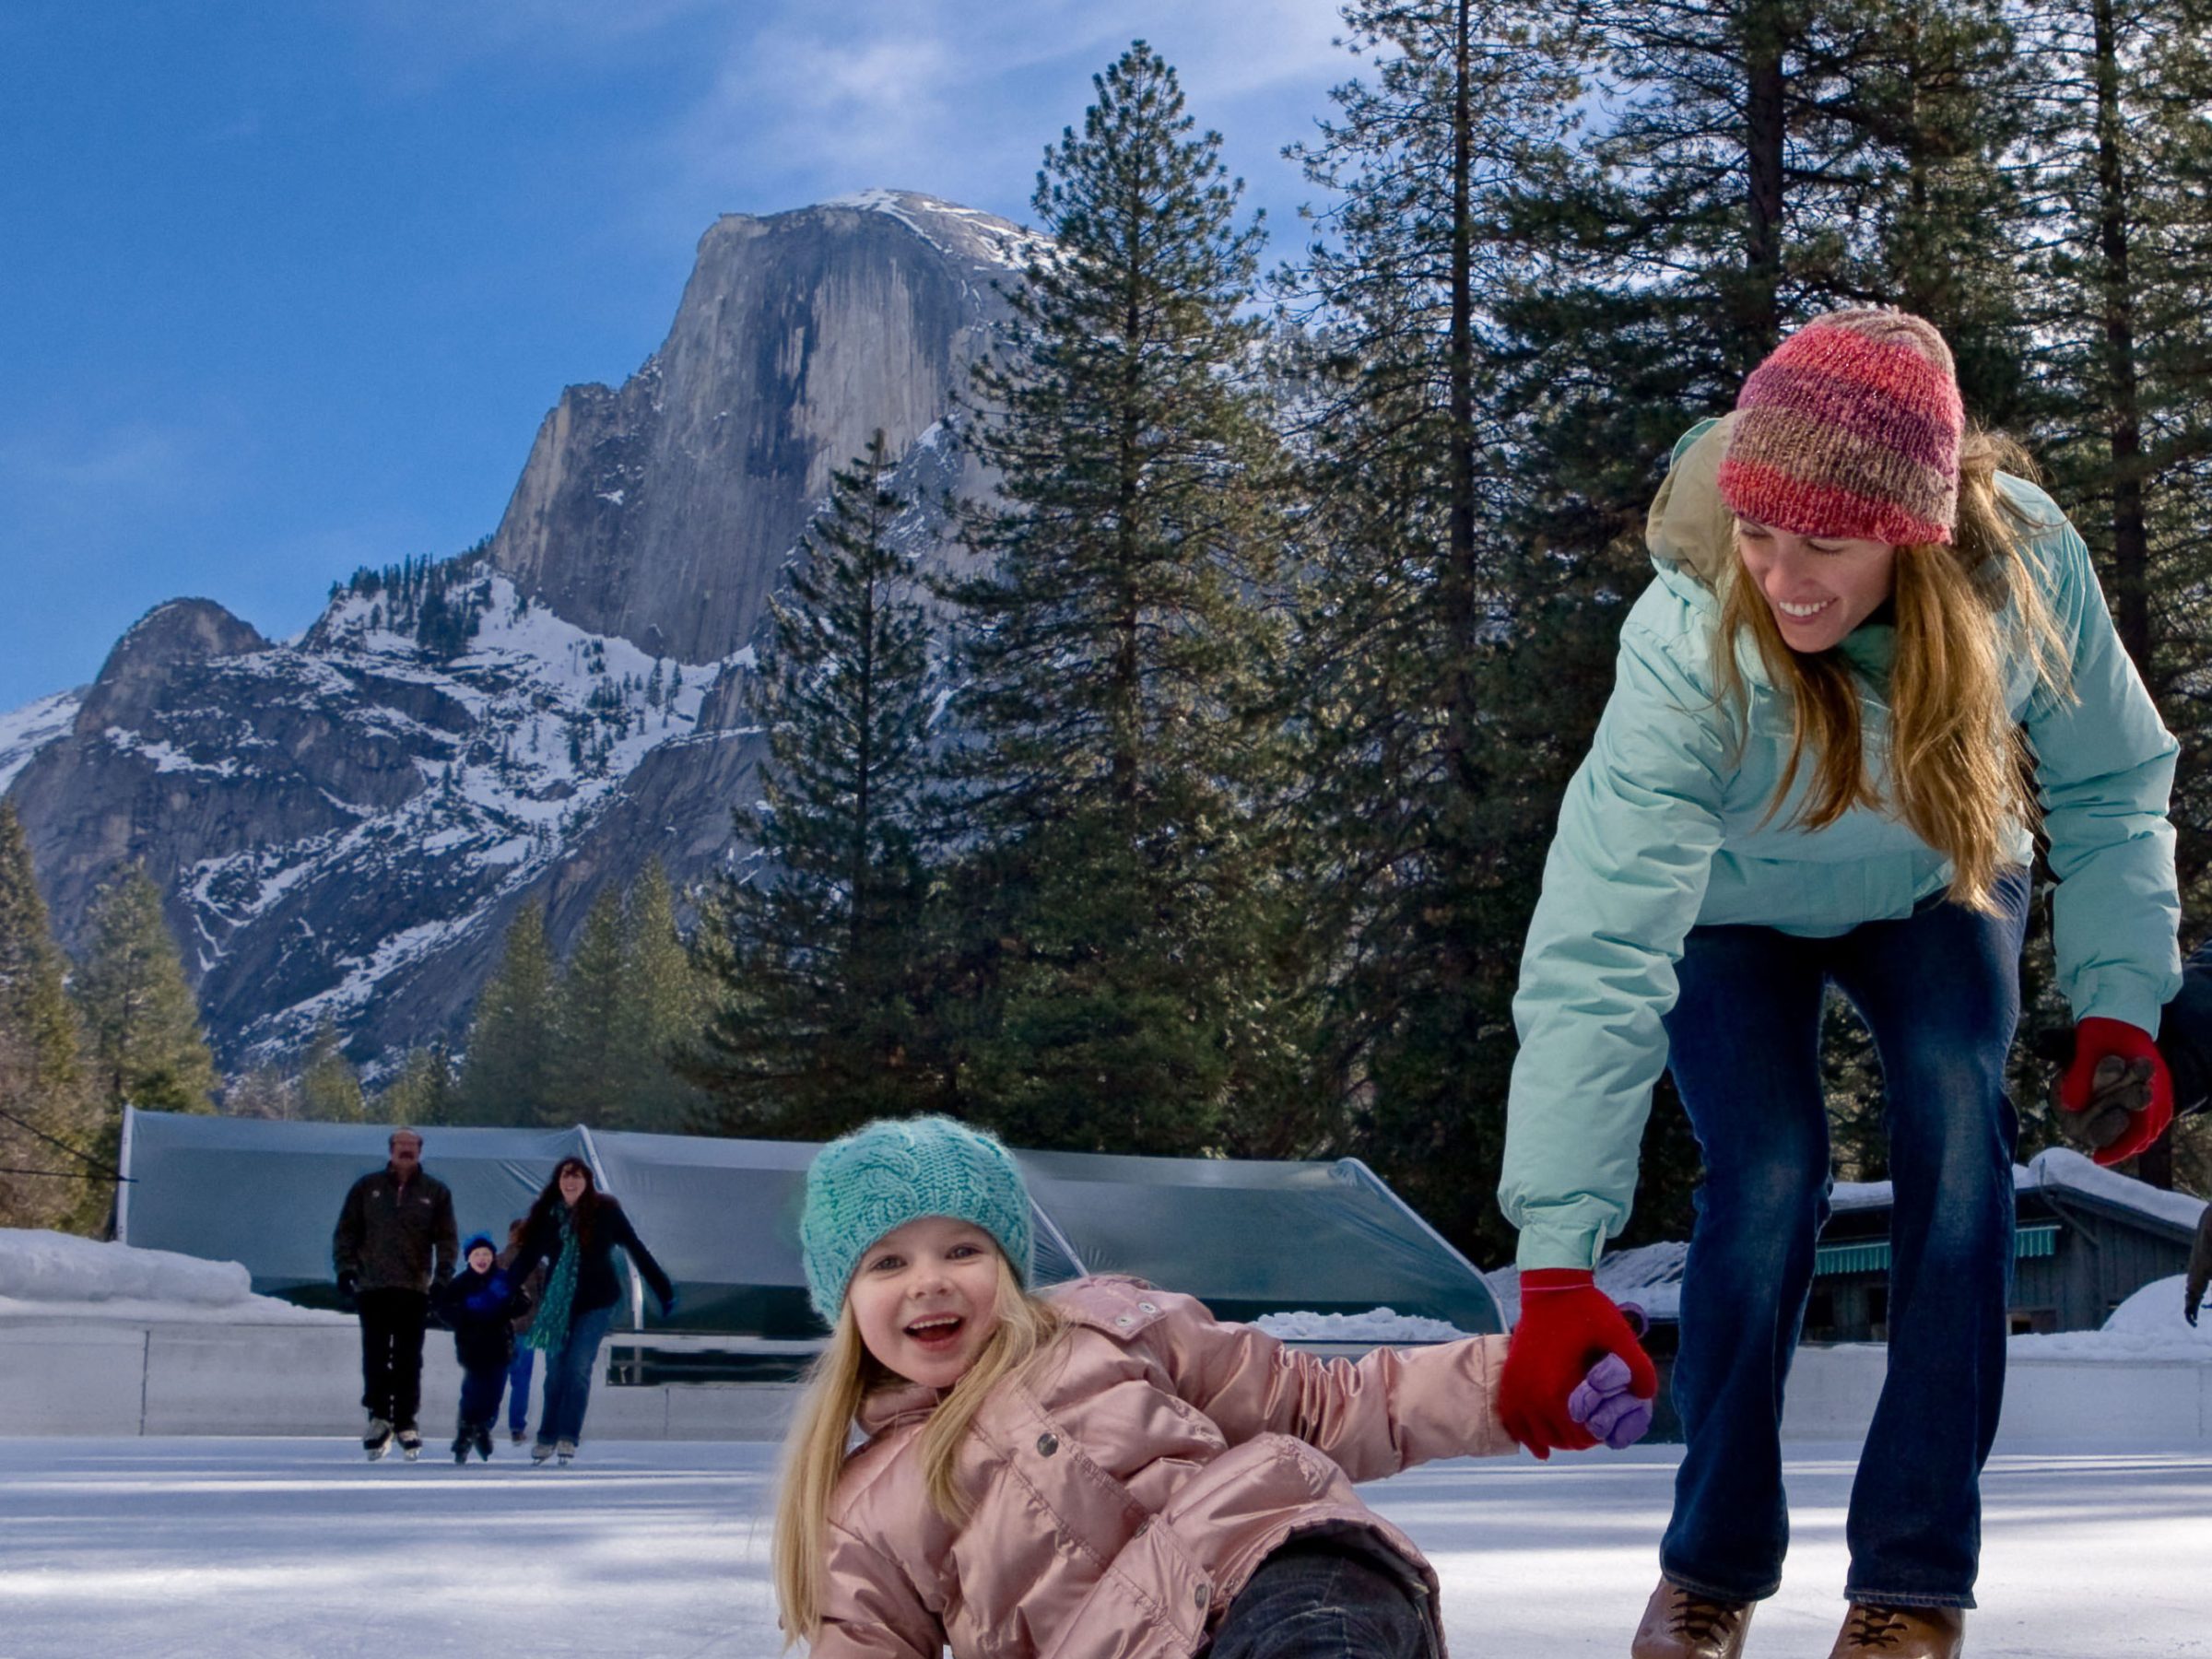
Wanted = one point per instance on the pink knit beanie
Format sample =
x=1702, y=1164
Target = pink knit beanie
x=1851, y=428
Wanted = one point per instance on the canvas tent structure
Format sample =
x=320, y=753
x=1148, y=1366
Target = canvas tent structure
x=721, y=1216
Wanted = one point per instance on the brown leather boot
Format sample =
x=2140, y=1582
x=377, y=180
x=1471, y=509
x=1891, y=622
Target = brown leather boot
x=1681, y=1624
x=1901, y=1634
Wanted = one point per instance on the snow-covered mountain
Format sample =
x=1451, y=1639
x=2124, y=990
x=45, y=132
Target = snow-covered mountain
x=345, y=822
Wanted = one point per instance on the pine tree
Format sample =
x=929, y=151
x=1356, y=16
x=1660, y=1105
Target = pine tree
x=265, y=1091
x=144, y=1046
x=43, y=1099
x=592, y=1078
x=665, y=1007
x=507, y=1074
x=817, y=953
x=330, y=1087
x=1431, y=776
x=1114, y=648
x=421, y=1092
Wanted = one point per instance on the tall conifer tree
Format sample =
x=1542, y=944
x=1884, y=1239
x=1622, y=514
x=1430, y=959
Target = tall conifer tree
x=508, y=1071
x=817, y=953
x=43, y=1090
x=142, y=1023
x=1112, y=648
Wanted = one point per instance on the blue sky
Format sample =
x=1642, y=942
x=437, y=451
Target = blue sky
x=287, y=285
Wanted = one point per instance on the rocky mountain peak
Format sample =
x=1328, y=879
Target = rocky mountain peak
x=660, y=513
x=141, y=663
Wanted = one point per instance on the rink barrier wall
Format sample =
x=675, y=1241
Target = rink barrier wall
x=94, y=1378
x=87, y=1377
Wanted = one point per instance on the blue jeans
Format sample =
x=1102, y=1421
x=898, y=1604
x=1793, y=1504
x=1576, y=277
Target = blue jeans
x=1314, y=1601
x=480, y=1395
x=518, y=1387
x=568, y=1369
x=1939, y=990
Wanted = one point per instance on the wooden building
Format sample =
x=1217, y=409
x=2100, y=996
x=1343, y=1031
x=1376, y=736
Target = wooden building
x=2087, y=1239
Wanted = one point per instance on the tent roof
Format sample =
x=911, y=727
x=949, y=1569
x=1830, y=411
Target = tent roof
x=722, y=1215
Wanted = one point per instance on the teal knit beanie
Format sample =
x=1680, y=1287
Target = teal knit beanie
x=887, y=1173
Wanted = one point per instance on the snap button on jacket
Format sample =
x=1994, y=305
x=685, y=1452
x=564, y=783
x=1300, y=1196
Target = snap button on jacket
x=1124, y=1487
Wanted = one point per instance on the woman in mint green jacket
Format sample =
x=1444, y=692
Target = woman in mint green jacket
x=1862, y=638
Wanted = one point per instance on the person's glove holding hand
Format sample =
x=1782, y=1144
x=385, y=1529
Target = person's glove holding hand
x=2189, y=1312
x=2116, y=1089
x=349, y=1287
x=1567, y=1327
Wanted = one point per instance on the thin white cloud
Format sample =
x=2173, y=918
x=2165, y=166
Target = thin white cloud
x=132, y=459
x=960, y=100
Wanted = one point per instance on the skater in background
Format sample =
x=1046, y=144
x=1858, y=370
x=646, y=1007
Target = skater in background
x=480, y=1305
x=573, y=1230
x=521, y=1368
x=1867, y=627
x=1103, y=1469
x=394, y=1241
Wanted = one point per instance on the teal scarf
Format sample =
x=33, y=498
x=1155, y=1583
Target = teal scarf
x=549, y=1330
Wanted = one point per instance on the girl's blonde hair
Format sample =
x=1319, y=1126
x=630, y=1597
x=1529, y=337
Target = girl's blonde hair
x=1959, y=765
x=820, y=1437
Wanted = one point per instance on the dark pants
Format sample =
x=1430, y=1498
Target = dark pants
x=1939, y=990
x=480, y=1389
x=518, y=1387
x=568, y=1378
x=392, y=1323
x=1317, y=1601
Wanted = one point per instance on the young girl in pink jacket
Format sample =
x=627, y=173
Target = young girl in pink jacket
x=1105, y=1472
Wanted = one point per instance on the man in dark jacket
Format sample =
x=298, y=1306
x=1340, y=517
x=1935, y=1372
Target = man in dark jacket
x=395, y=1238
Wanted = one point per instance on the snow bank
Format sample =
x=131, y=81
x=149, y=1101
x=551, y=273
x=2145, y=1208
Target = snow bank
x=58, y=1274
x=2147, y=1325
x=1377, y=1324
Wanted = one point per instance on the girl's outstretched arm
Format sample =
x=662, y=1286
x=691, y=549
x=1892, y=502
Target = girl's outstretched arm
x=1373, y=1416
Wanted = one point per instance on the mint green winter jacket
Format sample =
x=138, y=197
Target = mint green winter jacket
x=1666, y=827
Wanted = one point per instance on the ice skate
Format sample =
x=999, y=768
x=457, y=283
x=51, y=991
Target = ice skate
x=567, y=1450
x=1681, y=1624
x=376, y=1439
x=484, y=1445
x=518, y=1435
x=1901, y=1632
x=410, y=1443
x=542, y=1452
x=461, y=1454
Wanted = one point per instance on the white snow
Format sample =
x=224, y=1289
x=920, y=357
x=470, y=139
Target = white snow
x=1377, y=1324
x=275, y=1549
x=25, y=731
x=2147, y=1325
x=2055, y=1169
x=58, y=1275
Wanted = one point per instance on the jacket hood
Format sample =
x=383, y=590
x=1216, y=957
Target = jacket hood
x=1689, y=529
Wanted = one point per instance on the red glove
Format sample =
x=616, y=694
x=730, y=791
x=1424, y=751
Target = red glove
x=1568, y=1324
x=2097, y=1040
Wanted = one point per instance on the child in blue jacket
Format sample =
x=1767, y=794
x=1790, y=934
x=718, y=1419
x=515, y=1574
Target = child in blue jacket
x=481, y=1303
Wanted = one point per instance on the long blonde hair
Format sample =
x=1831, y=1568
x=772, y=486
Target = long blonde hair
x=821, y=1439
x=1959, y=764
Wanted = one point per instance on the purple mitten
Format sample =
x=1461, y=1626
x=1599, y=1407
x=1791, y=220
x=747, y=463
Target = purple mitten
x=1602, y=1405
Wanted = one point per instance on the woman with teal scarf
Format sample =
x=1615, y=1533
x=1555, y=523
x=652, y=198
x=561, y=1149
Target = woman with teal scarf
x=574, y=1229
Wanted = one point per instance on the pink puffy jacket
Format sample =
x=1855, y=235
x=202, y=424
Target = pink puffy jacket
x=1126, y=1485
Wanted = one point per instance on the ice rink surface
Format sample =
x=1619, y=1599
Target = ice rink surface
x=254, y=1548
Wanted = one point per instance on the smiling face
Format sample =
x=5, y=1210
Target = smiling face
x=480, y=1259
x=1817, y=588
x=573, y=1181
x=924, y=1297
